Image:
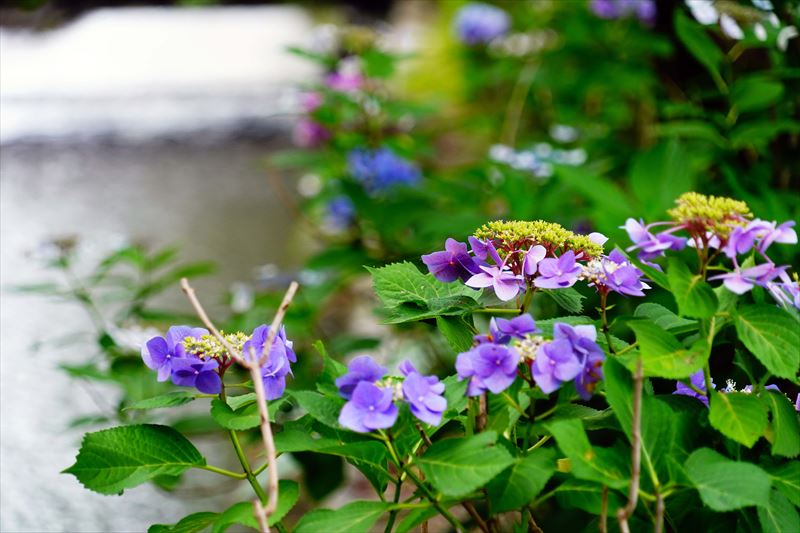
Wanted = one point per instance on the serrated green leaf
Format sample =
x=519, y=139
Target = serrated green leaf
x=568, y=299
x=588, y=463
x=460, y=465
x=519, y=484
x=123, y=457
x=786, y=478
x=242, y=513
x=695, y=297
x=171, y=399
x=189, y=524
x=738, y=416
x=241, y=412
x=457, y=331
x=725, y=485
x=323, y=408
x=779, y=516
x=772, y=336
x=663, y=356
x=355, y=517
x=400, y=283
x=785, y=428
x=664, y=318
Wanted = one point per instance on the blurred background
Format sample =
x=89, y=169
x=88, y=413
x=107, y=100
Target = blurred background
x=247, y=144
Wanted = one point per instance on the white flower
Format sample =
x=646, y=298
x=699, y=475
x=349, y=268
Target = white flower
x=789, y=32
x=761, y=33
x=703, y=11
x=730, y=27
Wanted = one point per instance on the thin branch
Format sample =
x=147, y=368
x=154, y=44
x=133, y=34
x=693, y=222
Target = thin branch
x=262, y=513
x=480, y=420
x=636, y=450
x=532, y=525
x=276, y=322
x=659, y=513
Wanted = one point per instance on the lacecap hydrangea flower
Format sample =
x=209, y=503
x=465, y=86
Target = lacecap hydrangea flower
x=511, y=257
x=573, y=354
x=191, y=357
x=479, y=23
x=381, y=170
x=644, y=10
x=372, y=400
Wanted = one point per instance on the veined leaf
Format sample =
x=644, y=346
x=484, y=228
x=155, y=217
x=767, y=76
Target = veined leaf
x=772, y=336
x=725, y=485
x=784, y=434
x=170, y=399
x=519, y=484
x=695, y=297
x=663, y=356
x=355, y=517
x=739, y=416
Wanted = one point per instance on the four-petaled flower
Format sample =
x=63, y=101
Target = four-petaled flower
x=503, y=329
x=505, y=283
x=361, y=368
x=491, y=367
x=558, y=273
x=276, y=366
x=370, y=408
x=555, y=363
x=451, y=264
x=196, y=372
x=423, y=395
x=160, y=353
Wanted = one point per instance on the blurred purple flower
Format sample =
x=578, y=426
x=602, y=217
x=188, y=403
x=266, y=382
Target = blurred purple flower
x=369, y=408
x=644, y=10
x=159, y=353
x=698, y=380
x=362, y=368
x=451, y=264
x=345, y=82
x=558, y=273
x=196, y=372
x=784, y=234
x=340, y=212
x=488, y=366
x=478, y=23
x=786, y=292
x=309, y=133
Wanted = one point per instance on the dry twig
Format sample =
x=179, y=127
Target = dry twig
x=636, y=451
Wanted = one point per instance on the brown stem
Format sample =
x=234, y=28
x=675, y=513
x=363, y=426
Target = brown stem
x=276, y=322
x=532, y=525
x=659, y=513
x=480, y=420
x=604, y=511
x=636, y=450
x=475, y=516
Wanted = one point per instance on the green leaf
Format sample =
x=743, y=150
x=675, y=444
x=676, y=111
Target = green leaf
x=519, y=484
x=355, y=517
x=739, y=416
x=784, y=433
x=568, y=299
x=123, y=457
x=457, y=331
x=460, y=465
x=170, y=399
x=242, y=513
x=579, y=494
x=779, y=516
x=660, y=175
x=378, y=64
x=700, y=45
x=692, y=129
x=752, y=93
x=664, y=318
x=786, y=478
x=663, y=356
x=189, y=524
x=725, y=485
x=414, y=518
x=772, y=336
x=241, y=412
x=400, y=283
x=695, y=297
x=331, y=369
x=320, y=407
x=591, y=464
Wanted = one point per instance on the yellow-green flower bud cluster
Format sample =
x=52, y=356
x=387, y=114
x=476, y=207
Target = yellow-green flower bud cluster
x=715, y=213
x=522, y=234
x=209, y=346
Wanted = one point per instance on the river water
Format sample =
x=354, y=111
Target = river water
x=134, y=124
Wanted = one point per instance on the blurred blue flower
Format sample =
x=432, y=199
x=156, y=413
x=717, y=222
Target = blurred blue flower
x=644, y=10
x=478, y=23
x=381, y=170
x=340, y=213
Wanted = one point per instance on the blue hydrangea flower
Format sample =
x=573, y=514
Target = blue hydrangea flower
x=277, y=366
x=451, y=264
x=491, y=367
x=644, y=10
x=370, y=408
x=555, y=363
x=340, y=213
x=478, y=23
x=503, y=329
x=196, y=372
x=361, y=368
x=621, y=276
x=698, y=380
x=423, y=395
x=381, y=170
x=159, y=353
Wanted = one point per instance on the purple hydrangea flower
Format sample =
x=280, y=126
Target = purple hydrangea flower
x=423, y=394
x=743, y=238
x=651, y=246
x=346, y=82
x=276, y=367
x=582, y=338
x=478, y=23
x=479, y=248
x=698, y=380
x=530, y=263
x=488, y=366
x=590, y=375
x=361, y=368
x=340, y=212
x=451, y=264
x=309, y=133
x=159, y=353
x=196, y=372
x=741, y=281
x=644, y=10
x=786, y=292
x=381, y=170
x=505, y=283
x=784, y=234
x=558, y=273
x=370, y=408
x=555, y=363
x=621, y=276
x=503, y=330
x=797, y=403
